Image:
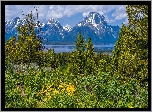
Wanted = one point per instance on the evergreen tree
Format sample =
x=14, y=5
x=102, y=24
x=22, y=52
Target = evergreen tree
x=90, y=49
x=102, y=62
x=90, y=58
x=27, y=46
x=50, y=58
x=10, y=51
x=80, y=43
x=77, y=58
x=130, y=56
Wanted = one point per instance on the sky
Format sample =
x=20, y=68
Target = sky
x=69, y=15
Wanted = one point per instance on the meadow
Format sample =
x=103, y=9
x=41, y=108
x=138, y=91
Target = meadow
x=32, y=86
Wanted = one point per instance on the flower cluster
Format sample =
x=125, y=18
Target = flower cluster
x=46, y=92
x=69, y=88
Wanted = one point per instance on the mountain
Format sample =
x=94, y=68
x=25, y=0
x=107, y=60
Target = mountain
x=93, y=25
x=52, y=31
x=67, y=28
x=11, y=27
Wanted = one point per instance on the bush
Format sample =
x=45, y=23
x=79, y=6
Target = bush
x=56, y=89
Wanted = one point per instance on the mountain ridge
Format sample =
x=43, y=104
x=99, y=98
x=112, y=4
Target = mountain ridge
x=93, y=25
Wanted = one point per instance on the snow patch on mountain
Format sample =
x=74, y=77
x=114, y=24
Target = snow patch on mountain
x=67, y=28
x=79, y=24
x=93, y=25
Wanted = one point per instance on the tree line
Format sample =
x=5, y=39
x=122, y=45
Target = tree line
x=129, y=59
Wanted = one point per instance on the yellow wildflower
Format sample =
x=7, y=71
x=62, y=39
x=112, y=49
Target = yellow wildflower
x=48, y=86
x=63, y=89
x=44, y=99
x=60, y=86
x=49, y=97
x=70, y=89
x=70, y=94
x=50, y=89
x=47, y=94
x=44, y=91
x=131, y=107
x=41, y=92
x=56, y=92
x=80, y=103
x=42, y=88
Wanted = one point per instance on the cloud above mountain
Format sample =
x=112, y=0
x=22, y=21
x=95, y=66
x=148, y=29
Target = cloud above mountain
x=60, y=11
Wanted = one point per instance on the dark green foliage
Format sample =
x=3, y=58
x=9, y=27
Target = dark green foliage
x=130, y=56
x=103, y=62
x=50, y=58
x=77, y=59
x=90, y=58
x=90, y=49
x=26, y=47
x=10, y=49
x=110, y=93
x=80, y=43
x=94, y=91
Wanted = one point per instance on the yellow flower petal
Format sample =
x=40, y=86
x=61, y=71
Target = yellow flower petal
x=49, y=97
x=61, y=86
x=48, y=86
x=56, y=92
x=63, y=90
x=47, y=94
x=42, y=88
x=44, y=99
x=50, y=89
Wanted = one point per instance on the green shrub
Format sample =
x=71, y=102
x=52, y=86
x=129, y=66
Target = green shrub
x=130, y=55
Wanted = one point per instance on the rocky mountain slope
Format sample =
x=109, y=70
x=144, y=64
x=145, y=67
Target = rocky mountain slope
x=94, y=25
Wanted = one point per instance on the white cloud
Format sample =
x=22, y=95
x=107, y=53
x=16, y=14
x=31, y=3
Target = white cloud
x=120, y=13
x=53, y=14
x=120, y=9
x=101, y=9
x=67, y=25
x=101, y=13
x=121, y=16
x=85, y=14
x=109, y=20
x=126, y=21
x=51, y=7
x=59, y=11
x=13, y=11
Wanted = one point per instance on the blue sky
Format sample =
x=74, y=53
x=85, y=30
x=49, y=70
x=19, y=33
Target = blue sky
x=69, y=15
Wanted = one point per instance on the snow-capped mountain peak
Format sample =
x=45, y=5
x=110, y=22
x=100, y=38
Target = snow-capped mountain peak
x=67, y=27
x=39, y=24
x=95, y=18
x=93, y=25
x=51, y=21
